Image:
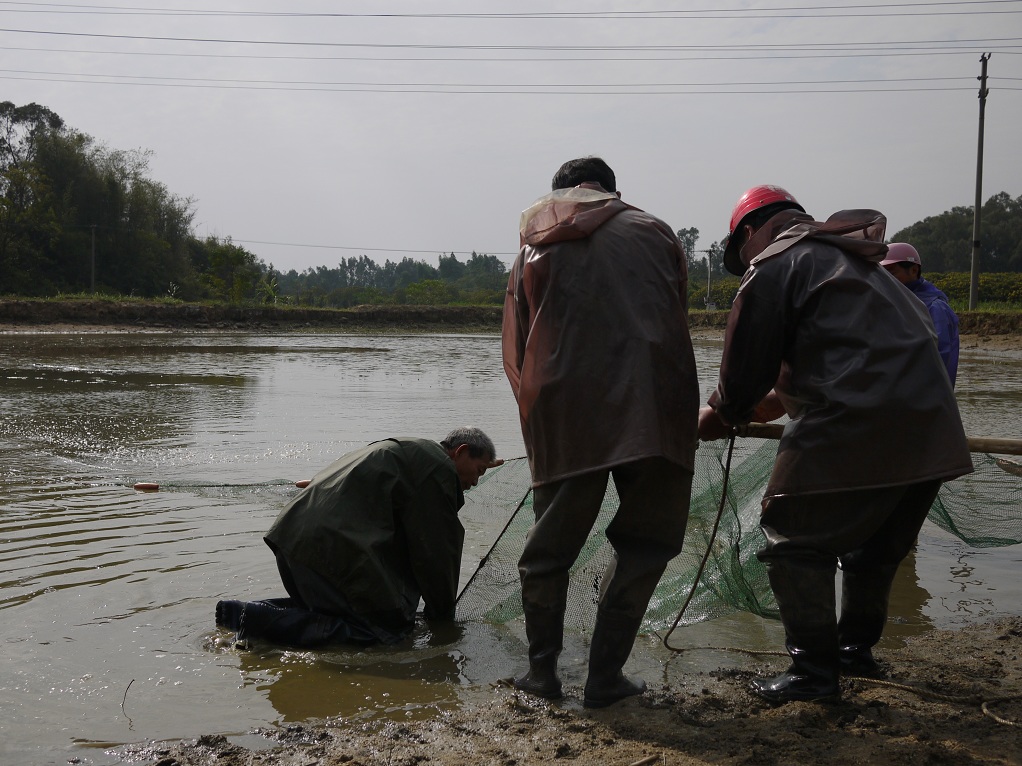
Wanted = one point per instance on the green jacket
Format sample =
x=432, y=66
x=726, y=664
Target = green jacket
x=382, y=524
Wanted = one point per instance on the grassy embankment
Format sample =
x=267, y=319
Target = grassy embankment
x=94, y=312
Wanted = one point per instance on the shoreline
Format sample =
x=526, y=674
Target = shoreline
x=1006, y=342
x=34, y=312
x=979, y=330
x=930, y=711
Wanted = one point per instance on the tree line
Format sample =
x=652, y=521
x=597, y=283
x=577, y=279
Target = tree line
x=944, y=241
x=359, y=281
x=77, y=216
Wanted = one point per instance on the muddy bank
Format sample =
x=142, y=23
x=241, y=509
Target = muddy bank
x=102, y=314
x=26, y=315
x=699, y=719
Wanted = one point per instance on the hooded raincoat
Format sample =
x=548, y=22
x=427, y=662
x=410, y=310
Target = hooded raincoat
x=850, y=353
x=945, y=322
x=595, y=338
x=381, y=523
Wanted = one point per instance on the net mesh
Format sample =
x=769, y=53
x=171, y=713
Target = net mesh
x=982, y=509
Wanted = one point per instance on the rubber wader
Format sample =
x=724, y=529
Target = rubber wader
x=613, y=638
x=864, y=600
x=805, y=597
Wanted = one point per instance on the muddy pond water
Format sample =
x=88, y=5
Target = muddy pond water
x=107, y=594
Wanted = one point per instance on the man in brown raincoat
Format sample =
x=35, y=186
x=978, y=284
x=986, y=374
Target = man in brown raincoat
x=596, y=347
x=852, y=359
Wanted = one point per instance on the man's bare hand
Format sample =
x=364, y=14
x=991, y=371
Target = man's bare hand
x=711, y=427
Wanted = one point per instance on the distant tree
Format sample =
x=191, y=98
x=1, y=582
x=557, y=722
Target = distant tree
x=29, y=227
x=486, y=273
x=20, y=127
x=233, y=272
x=409, y=271
x=363, y=272
x=945, y=241
x=71, y=208
x=267, y=289
x=689, y=238
x=715, y=257
x=451, y=269
x=29, y=232
x=1001, y=234
x=429, y=292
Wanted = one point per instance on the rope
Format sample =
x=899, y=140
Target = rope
x=985, y=705
x=966, y=699
x=709, y=545
x=486, y=557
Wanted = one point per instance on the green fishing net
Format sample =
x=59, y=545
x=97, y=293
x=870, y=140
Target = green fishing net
x=982, y=509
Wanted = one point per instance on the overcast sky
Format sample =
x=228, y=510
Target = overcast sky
x=313, y=131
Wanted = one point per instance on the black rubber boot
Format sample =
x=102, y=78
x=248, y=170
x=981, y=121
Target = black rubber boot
x=864, y=601
x=545, y=630
x=279, y=621
x=805, y=598
x=612, y=643
x=228, y=614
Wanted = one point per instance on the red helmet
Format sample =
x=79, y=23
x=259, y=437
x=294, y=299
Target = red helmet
x=751, y=201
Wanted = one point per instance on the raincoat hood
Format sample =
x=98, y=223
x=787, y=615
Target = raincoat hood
x=568, y=214
x=595, y=337
x=851, y=355
x=856, y=232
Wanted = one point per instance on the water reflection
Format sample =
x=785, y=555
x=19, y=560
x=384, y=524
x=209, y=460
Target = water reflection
x=907, y=604
x=303, y=685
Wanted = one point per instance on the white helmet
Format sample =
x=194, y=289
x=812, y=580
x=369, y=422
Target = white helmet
x=901, y=252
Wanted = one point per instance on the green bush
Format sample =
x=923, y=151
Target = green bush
x=722, y=293
x=998, y=287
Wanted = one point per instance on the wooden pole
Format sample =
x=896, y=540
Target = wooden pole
x=976, y=443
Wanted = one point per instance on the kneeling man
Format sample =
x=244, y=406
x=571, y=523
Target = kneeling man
x=372, y=534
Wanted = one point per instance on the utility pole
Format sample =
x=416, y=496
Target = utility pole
x=92, y=280
x=974, y=280
x=710, y=304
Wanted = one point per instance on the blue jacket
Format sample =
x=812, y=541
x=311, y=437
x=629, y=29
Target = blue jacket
x=945, y=321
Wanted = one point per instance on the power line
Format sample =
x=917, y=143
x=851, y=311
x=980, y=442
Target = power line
x=539, y=59
x=440, y=91
x=986, y=42
x=810, y=11
x=231, y=81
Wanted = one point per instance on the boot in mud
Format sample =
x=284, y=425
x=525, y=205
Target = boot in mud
x=805, y=597
x=545, y=629
x=812, y=676
x=864, y=600
x=612, y=643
